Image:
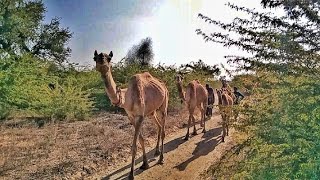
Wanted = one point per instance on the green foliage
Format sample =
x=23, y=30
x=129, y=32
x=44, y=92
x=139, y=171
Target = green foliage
x=24, y=89
x=201, y=68
x=285, y=132
x=22, y=31
x=51, y=42
x=281, y=117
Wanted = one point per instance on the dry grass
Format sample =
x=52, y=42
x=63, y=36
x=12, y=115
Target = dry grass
x=72, y=150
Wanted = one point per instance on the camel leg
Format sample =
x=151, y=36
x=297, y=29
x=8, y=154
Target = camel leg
x=145, y=164
x=227, y=126
x=137, y=127
x=203, y=116
x=156, y=120
x=163, y=122
x=194, y=126
x=189, y=121
x=201, y=122
x=223, y=129
x=204, y=121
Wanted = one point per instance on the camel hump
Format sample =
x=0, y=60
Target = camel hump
x=226, y=99
x=146, y=75
x=137, y=86
x=191, y=91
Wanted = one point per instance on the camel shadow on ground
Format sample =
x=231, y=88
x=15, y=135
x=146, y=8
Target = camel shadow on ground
x=169, y=146
x=204, y=147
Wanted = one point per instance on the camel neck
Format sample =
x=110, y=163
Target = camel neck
x=180, y=90
x=110, y=87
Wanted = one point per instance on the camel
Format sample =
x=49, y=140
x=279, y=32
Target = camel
x=225, y=103
x=195, y=96
x=145, y=96
x=226, y=87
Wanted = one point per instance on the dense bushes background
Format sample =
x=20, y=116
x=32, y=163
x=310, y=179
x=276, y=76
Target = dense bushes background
x=25, y=91
x=25, y=87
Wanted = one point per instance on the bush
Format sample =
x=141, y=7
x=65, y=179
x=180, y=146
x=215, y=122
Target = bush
x=24, y=89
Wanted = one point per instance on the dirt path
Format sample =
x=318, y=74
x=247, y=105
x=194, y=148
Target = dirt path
x=183, y=159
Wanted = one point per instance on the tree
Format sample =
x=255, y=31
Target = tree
x=141, y=54
x=22, y=31
x=282, y=122
x=277, y=42
x=200, y=66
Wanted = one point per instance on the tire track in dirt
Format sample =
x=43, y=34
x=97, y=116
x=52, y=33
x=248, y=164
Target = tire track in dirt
x=183, y=159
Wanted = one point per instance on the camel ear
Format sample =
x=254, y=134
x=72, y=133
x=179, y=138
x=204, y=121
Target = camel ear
x=95, y=53
x=111, y=54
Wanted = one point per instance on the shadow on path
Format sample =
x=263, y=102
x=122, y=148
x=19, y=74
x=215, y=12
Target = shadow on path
x=169, y=146
x=204, y=147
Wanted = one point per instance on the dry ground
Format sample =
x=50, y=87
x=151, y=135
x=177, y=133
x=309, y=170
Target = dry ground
x=186, y=160
x=77, y=149
x=100, y=148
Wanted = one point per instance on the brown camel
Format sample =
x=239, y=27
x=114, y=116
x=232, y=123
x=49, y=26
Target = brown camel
x=144, y=96
x=195, y=96
x=226, y=87
x=225, y=103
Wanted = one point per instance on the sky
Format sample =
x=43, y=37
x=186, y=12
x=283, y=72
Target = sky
x=117, y=25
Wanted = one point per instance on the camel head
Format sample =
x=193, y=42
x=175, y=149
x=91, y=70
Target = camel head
x=222, y=91
x=179, y=78
x=219, y=92
x=103, y=61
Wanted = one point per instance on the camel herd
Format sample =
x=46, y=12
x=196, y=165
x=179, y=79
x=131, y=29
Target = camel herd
x=148, y=96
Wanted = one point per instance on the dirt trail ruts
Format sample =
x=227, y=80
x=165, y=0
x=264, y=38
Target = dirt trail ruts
x=183, y=159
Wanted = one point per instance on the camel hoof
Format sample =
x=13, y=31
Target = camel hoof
x=194, y=133
x=157, y=153
x=161, y=161
x=204, y=131
x=131, y=176
x=222, y=139
x=144, y=166
x=186, y=138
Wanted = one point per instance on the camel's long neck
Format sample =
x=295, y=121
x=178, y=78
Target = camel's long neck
x=181, y=92
x=110, y=87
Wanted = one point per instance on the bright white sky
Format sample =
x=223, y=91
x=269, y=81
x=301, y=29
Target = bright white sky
x=173, y=27
x=170, y=23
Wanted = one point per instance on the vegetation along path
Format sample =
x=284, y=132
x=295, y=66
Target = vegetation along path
x=183, y=159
